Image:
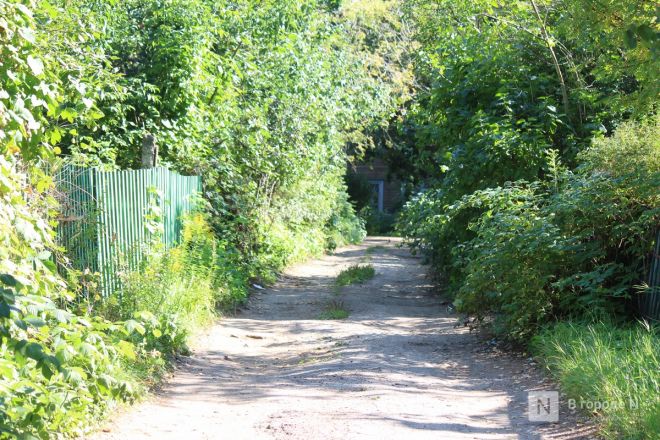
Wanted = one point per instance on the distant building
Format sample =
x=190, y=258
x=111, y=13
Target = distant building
x=386, y=193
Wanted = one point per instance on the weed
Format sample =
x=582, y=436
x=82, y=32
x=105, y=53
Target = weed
x=355, y=274
x=334, y=310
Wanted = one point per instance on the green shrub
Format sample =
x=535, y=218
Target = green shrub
x=59, y=368
x=267, y=130
x=182, y=287
x=614, y=367
x=378, y=222
x=344, y=227
x=62, y=368
x=509, y=267
x=315, y=217
x=574, y=244
x=359, y=190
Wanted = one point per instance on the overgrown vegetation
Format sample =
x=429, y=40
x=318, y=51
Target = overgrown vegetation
x=576, y=243
x=361, y=196
x=535, y=137
x=334, y=310
x=61, y=368
x=608, y=371
x=355, y=274
x=532, y=130
x=67, y=358
x=517, y=176
x=183, y=289
x=259, y=97
x=262, y=98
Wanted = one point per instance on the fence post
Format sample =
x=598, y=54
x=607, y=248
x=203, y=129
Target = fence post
x=649, y=302
x=149, y=151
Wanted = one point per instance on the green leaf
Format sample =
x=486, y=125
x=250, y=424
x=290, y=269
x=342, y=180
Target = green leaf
x=46, y=371
x=105, y=384
x=630, y=39
x=35, y=322
x=126, y=349
x=69, y=114
x=8, y=280
x=646, y=33
x=134, y=326
x=34, y=351
x=74, y=375
x=44, y=255
x=5, y=310
x=62, y=316
x=36, y=65
x=87, y=349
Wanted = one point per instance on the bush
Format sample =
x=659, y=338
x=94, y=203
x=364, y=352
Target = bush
x=266, y=129
x=509, y=267
x=615, y=367
x=183, y=287
x=62, y=367
x=359, y=190
x=59, y=367
x=344, y=227
x=574, y=244
x=377, y=222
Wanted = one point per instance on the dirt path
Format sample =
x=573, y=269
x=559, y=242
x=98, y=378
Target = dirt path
x=396, y=369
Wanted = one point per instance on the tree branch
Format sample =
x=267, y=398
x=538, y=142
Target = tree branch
x=555, y=60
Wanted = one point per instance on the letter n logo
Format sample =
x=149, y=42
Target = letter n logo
x=543, y=406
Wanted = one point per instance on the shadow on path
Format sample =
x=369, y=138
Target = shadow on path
x=398, y=367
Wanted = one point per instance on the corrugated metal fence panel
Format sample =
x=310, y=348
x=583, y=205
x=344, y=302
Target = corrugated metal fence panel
x=77, y=226
x=649, y=303
x=111, y=207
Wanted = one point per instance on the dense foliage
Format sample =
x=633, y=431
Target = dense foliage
x=531, y=130
x=579, y=241
x=500, y=85
x=520, y=135
x=534, y=139
x=59, y=369
x=262, y=98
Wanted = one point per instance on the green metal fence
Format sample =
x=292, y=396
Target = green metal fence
x=649, y=302
x=102, y=224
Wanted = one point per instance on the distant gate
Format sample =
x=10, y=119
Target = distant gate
x=103, y=214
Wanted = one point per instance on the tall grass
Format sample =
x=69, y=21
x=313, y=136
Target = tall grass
x=183, y=288
x=611, y=372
